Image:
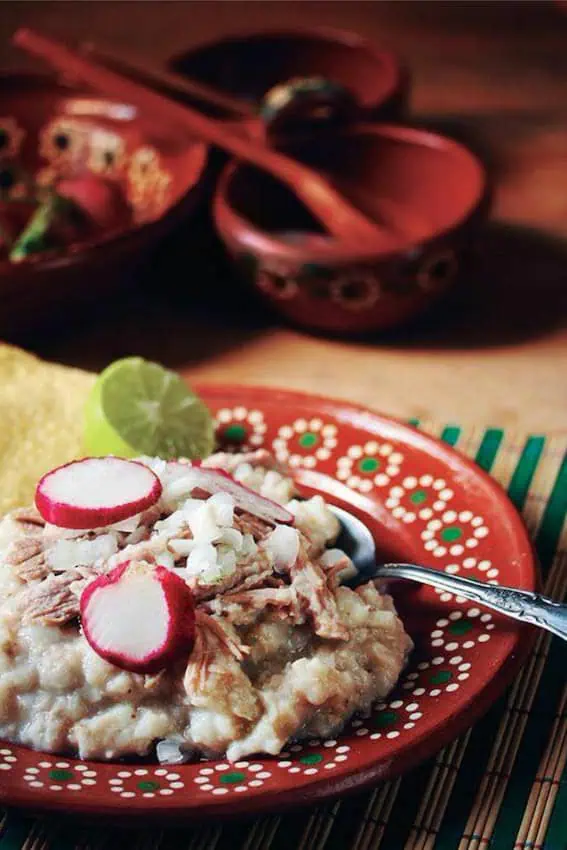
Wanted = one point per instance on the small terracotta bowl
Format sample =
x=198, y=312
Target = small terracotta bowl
x=327, y=69
x=49, y=131
x=428, y=191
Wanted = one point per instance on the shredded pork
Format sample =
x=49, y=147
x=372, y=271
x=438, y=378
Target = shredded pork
x=278, y=653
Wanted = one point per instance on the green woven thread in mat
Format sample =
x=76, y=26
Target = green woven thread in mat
x=502, y=785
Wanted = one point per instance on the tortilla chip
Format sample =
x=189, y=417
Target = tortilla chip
x=41, y=421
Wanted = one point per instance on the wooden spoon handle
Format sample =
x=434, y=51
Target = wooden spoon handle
x=343, y=220
x=146, y=73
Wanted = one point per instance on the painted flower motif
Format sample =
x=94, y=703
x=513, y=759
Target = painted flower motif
x=64, y=143
x=459, y=631
x=14, y=183
x=276, y=285
x=305, y=442
x=11, y=137
x=240, y=429
x=223, y=778
x=453, y=533
x=357, y=291
x=370, y=465
x=148, y=183
x=60, y=776
x=146, y=782
x=437, y=270
x=107, y=153
x=418, y=498
x=390, y=719
x=313, y=757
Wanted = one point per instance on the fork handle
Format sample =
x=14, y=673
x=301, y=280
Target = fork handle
x=518, y=604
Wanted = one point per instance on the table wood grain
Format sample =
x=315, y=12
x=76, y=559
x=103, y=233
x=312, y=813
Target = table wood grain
x=496, y=350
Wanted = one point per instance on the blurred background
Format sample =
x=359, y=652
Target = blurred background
x=493, y=74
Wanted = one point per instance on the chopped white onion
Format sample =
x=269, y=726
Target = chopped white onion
x=174, y=750
x=65, y=554
x=222, y=505
x=166, y=559
x=249, y=546
x=182, y=547
x=203, y=524
x=232, y=537
x=283, y=545
x=203, y=557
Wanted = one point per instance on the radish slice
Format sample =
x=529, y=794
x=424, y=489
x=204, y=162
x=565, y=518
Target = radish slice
x=218, y=481
x=283, y=546
x=96, y=492
x=138, y=617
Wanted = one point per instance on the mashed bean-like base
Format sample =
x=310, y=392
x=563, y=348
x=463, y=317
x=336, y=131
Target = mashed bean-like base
x=277, y=656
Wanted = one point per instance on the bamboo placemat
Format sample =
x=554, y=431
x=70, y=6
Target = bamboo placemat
x=502, y=785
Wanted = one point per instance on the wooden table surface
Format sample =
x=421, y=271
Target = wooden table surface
x=497, y=350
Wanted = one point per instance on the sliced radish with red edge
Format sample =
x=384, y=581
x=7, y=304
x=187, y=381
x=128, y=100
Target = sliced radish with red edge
x=95, y=492
x=218, y=481
x=139, y=617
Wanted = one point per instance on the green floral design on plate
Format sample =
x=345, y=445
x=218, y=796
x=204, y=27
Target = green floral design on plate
x=418, y=497
x=234, y=433
x=452, y=533
x=308, y=440
x=385, y=718
x=232, y=778
x=148, y=785
x=441, y=677
x=460, y=627
x=61, y=775
x=369, y=464
x=311, y=758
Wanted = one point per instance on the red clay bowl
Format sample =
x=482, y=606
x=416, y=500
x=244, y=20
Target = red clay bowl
x=428, y=190
x=250, y=64
x=49, y=130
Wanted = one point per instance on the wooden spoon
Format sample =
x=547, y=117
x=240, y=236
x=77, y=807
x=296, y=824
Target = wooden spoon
x=148, y=74
x=350, y=227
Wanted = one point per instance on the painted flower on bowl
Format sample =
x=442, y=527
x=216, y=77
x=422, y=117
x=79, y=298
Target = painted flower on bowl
x=11, y=137
x=357, y=290
x=107, y=153
x=437, y=270
x=64, y=143
x=148, y=182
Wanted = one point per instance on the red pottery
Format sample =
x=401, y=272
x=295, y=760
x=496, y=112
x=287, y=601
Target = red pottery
x=424, y=190
x=50, y=131
x=249, y=64
x=424, y=503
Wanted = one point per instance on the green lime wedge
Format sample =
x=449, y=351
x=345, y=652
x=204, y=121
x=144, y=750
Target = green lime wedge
x=140, y=408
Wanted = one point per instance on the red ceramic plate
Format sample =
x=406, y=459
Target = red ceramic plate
x=424, y=503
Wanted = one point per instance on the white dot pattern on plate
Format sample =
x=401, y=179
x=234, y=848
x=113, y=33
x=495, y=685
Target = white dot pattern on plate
x=60, y=776
x=306, y=442
x=369, y=465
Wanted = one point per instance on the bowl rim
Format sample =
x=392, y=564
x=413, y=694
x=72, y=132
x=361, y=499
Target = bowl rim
x=392, y=79
x=249, y=236
x=85, y=248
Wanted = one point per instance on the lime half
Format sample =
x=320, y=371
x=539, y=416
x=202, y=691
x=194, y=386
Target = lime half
x=140, y=408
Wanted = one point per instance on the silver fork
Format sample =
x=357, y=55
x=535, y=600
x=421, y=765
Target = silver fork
x=522, y=605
